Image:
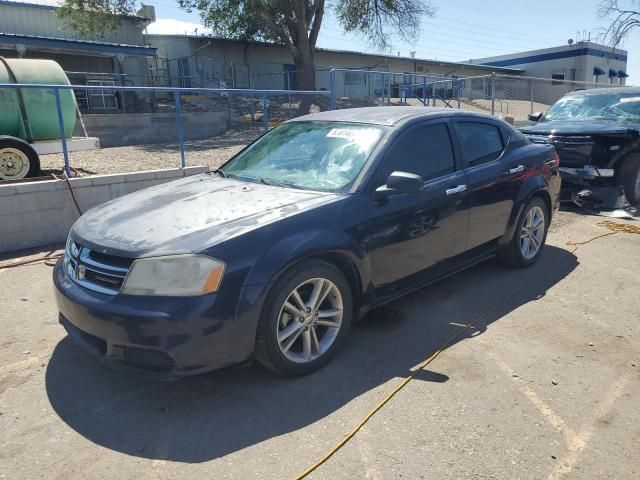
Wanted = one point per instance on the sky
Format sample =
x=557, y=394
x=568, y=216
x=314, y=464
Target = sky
x=460, y=30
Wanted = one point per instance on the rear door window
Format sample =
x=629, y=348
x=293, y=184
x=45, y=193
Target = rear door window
x=479, y=142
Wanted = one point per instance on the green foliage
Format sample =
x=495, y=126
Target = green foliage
x=94, y=17
x=280, y=20
x=267, y=20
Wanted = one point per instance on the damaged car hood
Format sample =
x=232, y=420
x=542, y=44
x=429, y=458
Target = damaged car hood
x=579, y=127
x=187, y=215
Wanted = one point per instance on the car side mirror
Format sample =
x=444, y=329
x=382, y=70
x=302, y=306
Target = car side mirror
x=535, y=116
x=400, y=182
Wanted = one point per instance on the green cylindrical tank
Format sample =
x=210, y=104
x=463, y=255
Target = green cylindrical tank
x=41, y=122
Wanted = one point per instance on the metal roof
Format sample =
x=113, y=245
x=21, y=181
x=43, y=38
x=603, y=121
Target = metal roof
x=48, y=5
x=606, y=91
x=389, y=115
x=345, y=52
x=70, y=44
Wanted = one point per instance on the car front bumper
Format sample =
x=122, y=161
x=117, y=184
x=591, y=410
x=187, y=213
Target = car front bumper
x=585, y=175
x=160, y=337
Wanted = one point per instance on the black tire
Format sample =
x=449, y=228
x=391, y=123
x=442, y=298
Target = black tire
x=267, y=350
x=629, y=177
x=511, y=253
x=30, y=153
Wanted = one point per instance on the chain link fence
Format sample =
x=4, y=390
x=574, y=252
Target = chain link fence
x=510, y=97
x=142, y=128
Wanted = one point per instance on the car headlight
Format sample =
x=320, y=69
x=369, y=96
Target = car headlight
x=179, y=275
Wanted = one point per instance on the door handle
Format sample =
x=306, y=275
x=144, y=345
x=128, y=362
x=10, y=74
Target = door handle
x=457, y=189
x=513, y=171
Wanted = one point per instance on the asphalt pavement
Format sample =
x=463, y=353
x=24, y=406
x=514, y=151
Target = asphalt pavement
x=545, y=385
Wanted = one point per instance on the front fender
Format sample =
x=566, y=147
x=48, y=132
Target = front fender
x=531, y=187
x=318, y=242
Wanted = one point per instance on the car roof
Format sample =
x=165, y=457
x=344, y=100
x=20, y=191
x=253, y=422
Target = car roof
x=389, y=115
x=606, y=91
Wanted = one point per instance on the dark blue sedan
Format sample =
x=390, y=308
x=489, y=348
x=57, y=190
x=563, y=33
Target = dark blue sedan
x=305, y=230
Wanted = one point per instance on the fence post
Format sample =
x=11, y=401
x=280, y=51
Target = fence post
x=531, y=95
x=332, y=88
x=458, y=86
x=253, y=107
x=424, y=91
x=493, y=94
x=63, y=138
x=265, y=111
x=183, y=160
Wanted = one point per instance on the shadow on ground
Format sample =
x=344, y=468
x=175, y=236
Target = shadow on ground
x=210, y=416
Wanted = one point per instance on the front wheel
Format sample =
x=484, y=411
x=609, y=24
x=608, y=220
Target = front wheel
x=529, y=238
x=305, y=319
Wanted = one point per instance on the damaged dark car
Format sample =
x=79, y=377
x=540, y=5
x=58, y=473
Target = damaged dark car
x=596, y=133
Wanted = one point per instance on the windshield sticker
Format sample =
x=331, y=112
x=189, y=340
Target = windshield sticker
x=629, y=99
x=344, y=133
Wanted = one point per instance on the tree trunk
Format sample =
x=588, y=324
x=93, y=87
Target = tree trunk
x=305, y=77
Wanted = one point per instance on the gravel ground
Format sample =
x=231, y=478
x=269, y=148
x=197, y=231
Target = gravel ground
x=212, y=152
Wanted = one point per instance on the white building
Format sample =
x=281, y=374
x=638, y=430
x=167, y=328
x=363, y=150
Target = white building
x=581, y=62
x=204, y=61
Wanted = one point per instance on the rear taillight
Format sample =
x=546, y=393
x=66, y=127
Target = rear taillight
x=557, y=160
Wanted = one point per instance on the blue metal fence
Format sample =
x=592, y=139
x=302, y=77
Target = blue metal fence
x=386, y=84
x=483, y=92
x=176, y=92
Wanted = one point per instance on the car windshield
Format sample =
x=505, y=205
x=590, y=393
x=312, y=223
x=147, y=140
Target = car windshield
x=308, y=155
x=623, y=106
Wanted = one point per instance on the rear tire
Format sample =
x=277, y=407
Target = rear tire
x=17, y=160
x=629, y=177
x=297, y=335
x=529, y=236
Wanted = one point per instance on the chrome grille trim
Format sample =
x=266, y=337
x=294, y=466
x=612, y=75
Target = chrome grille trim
x=81, y=269
x=561, y=140
x=109, y=269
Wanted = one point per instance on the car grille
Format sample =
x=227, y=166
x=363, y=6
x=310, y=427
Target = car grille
x=94, y=270
x=562, y=140
x=569, y=141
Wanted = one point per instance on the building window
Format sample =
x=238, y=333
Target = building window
x=557, y=78
x=355, y=79
x=102, y=99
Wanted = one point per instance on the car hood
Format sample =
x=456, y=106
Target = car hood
x=188, y=215
x=586, y=127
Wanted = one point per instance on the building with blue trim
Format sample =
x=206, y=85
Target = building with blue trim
x=588, y=62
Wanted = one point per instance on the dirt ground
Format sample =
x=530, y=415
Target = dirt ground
x=544, y=386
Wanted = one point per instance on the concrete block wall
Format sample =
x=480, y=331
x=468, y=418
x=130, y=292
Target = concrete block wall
x=115, y=130
x=40, y=213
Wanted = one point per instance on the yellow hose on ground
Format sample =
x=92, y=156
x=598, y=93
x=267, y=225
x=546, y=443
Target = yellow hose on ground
x=615, y=227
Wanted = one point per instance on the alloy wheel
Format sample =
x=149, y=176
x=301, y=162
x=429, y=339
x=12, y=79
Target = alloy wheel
x=310, y=320
x=532, y=232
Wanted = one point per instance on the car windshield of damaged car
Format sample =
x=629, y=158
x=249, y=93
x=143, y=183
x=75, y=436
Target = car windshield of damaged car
x=308, y=155
x=595, y=107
